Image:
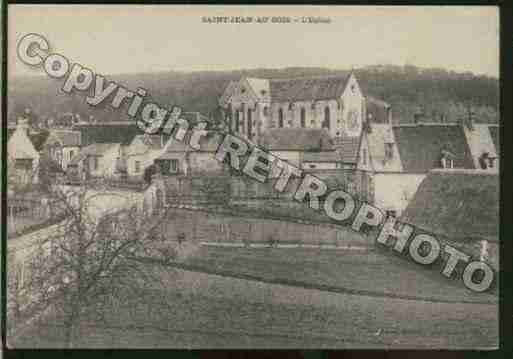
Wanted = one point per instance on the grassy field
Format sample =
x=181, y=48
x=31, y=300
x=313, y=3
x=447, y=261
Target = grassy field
x=363, y=272
x=198, y=310
x=201, y=310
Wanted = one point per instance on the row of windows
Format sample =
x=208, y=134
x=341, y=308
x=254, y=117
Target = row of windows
x=281, y=117
x=302, y=118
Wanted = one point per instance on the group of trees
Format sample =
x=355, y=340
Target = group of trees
x=404, y=87
x=76, y=267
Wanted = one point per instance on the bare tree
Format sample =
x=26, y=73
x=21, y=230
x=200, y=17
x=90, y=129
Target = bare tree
x=93, y=256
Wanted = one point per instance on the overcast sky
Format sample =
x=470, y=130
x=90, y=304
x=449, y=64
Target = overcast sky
x=126, y=39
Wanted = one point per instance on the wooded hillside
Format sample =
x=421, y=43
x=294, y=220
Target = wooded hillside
x=407, y=88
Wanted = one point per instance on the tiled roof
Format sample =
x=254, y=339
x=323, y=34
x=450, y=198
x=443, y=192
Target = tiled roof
x=38, y=138
x=420, y=146
x=96, y=149
x=306, y=89
x=119, y=132
x=208, y=143
x=68, y=138
x=457, y=204
x=347, y=148
x=296, y=139
x=377, y=109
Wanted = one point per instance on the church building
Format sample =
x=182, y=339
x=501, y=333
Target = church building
x=254, y=106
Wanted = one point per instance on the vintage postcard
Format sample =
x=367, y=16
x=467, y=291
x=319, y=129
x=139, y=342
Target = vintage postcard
x=255, y=177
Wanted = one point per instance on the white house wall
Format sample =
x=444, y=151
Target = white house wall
x=393, y=191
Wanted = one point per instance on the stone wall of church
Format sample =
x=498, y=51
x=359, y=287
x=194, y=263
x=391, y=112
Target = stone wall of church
x=314, y=115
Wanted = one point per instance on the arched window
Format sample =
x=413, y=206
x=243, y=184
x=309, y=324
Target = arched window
x=326, y=123
x=250, y=125
x=280, y=118
x=303, y=117
x=237, y=123
x=159, y=201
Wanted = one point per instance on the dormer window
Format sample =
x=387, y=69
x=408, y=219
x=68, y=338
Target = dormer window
x=447, y=159
x=486, y=161
x=243, y=90
x=263, y=92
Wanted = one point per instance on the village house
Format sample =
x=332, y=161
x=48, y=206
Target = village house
x=461, y=207
x=61, y=146
x=483, y=140
x=142, y=152
x=99, y=160
x=306, y=148
x=23, y=150
x=122, y=132
x=178, y=158
x=394, y=159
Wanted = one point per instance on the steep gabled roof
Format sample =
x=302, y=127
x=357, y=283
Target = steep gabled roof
x=21, y=146
x=377, y=110
x=67, y=138
x=297, y=139
x=306, y=89
x=225, y=97
x=38, y=138
x=260, y=87
x=458, y=204
x=118, y=132
x=420, y=146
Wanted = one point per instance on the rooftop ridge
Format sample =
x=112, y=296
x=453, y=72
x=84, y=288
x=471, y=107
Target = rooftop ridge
x=463, y=171
x=318, y=77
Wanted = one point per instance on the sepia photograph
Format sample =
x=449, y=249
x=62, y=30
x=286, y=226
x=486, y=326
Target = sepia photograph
x=252, y=177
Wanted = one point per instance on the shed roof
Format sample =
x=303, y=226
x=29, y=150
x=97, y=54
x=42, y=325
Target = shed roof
x=458, y=204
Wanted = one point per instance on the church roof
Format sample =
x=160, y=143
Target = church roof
x=297, y=139
x=307, y=89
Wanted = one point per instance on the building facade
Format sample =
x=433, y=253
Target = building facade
x=254, y=106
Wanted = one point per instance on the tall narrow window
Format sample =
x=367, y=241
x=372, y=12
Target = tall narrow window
x=250, y=125
x=237, y=121
x=280, y=118
x=303, y=117
x=326, y=123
